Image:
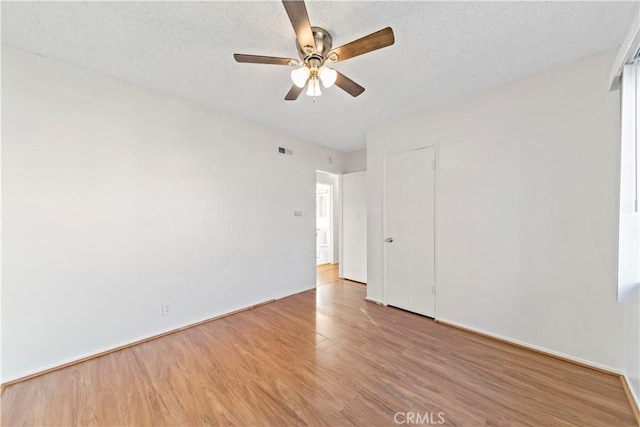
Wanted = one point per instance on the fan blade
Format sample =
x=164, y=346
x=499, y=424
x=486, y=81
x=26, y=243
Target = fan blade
x=366, y=44
x=348, y=85
x=257, y=59
x=294, y=93
x=299, y=18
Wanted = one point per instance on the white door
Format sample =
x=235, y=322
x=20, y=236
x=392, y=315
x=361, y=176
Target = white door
x=409, y=231
x=354, y=226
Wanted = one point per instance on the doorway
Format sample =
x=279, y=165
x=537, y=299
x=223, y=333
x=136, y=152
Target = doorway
x=327, y=226
x=324, y=226
x=409, y=231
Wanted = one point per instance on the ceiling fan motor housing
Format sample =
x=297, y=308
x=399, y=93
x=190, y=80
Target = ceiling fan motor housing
x=323, y=46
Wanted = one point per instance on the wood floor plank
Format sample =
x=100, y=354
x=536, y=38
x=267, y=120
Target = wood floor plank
x=326, y=273
x=324, y=357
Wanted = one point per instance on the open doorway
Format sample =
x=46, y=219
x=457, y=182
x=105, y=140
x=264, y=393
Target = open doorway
x=324, y=223
x=327, y=226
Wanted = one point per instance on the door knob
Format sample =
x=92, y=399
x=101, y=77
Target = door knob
x=389, y=239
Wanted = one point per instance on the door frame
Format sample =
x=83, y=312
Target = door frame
x=435, y=220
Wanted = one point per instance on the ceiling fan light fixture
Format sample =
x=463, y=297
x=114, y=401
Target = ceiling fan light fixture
x=300, y=76
x=313, y=89
x=328, y=76
x=314, y=45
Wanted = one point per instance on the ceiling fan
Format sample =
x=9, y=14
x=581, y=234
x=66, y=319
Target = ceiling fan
x=314, y=49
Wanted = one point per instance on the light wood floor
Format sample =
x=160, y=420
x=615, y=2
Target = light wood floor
x=322, y=357
x=326, y=273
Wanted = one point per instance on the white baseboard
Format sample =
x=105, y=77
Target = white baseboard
x=540, y=349
x=633, y=393
x=292, y=293
x=106, y=350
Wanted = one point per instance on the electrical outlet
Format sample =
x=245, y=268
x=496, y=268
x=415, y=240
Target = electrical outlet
x=166, y=310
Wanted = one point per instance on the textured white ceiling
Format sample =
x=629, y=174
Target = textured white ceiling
x=442, y=50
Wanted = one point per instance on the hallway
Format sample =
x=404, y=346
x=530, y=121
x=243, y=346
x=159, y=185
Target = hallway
x=326, y=273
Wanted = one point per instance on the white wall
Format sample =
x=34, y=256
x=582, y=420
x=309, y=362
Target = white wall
x=117, y=199
x=355, y=161
x=526, y=201
x=354, y=226
x=336, y=204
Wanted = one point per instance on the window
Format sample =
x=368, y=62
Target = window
x=629, y=231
